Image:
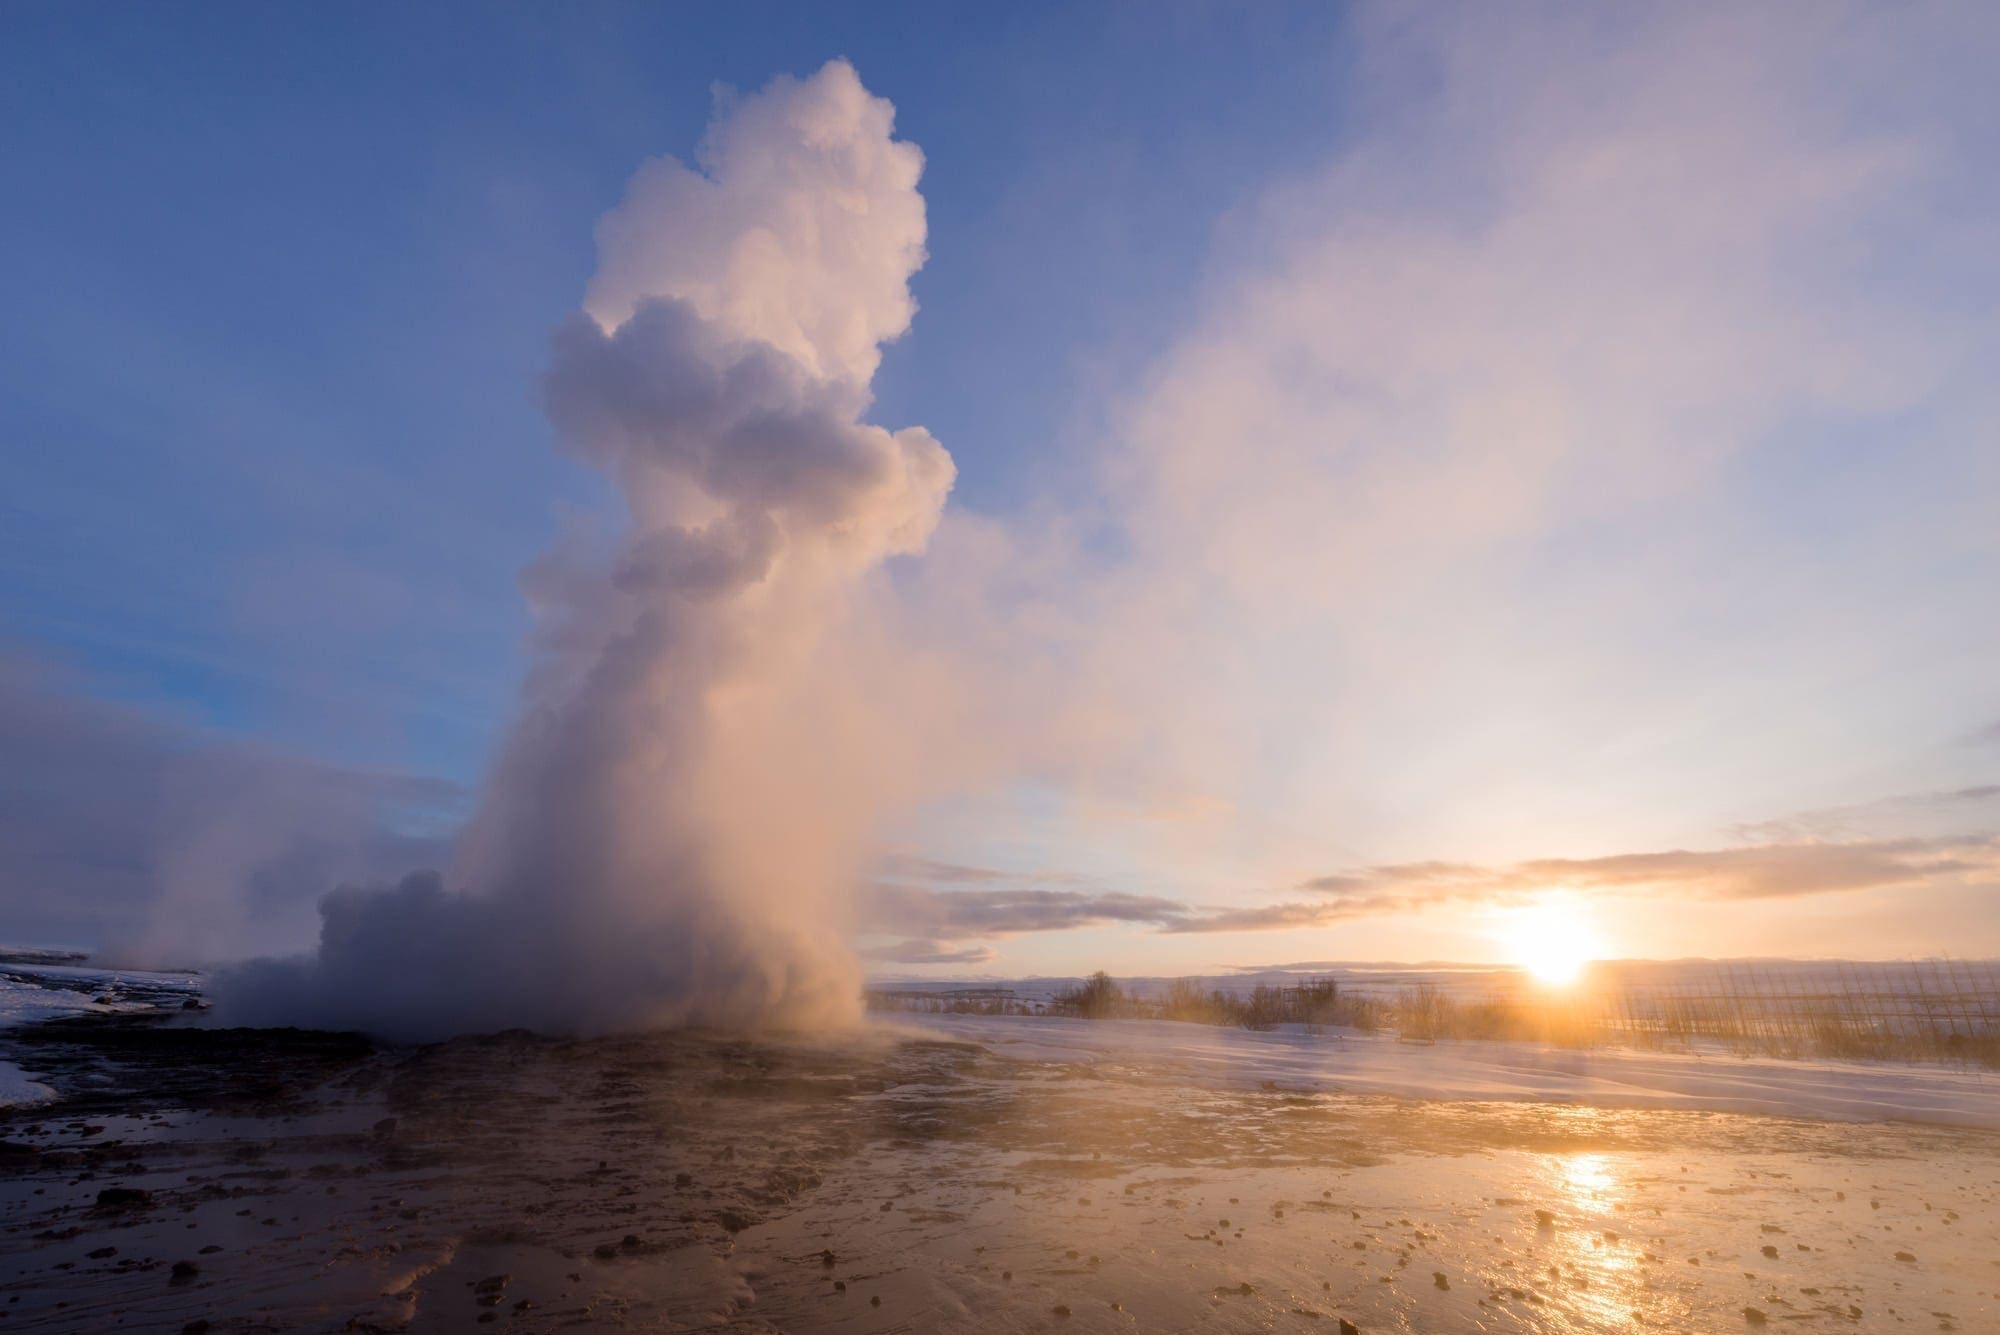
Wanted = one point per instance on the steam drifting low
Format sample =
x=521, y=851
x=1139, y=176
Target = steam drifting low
x=667, y=832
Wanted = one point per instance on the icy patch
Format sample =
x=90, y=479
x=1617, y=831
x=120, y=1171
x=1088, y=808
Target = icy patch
x=1346, y=1062
x=33, y=992
x=16, y=1090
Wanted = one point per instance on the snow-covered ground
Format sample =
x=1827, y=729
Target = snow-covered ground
x=17, y=1090
x=1290, y=1057
x=33, y=987
x=31, y=992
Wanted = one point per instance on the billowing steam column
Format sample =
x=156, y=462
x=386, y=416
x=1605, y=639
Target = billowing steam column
x=666, y=834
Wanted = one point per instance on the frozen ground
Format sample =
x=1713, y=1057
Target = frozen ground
x=1291, y=1058
x=47, y=985
x=17, y=1090
x=975, y=1175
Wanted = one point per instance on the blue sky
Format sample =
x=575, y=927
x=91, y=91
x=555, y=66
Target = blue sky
x=281, y=286
x=1420, y=473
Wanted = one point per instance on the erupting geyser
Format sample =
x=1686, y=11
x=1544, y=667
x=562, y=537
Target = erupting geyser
x=668, y=830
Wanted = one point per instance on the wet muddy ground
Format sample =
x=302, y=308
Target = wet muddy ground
x=901, y=1182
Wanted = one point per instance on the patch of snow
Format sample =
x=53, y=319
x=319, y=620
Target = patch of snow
x=34, y=992
x=1341, y=1061
x=16, y=1090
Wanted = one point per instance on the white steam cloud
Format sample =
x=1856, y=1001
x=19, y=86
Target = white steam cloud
x=671, y=825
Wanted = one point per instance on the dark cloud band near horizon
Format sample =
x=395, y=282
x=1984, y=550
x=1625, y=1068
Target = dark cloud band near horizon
x=1746, y=872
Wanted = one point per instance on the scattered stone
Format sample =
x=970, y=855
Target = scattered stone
x=1060, y=1310
x=184, y=1271
x=1770, y=1251
x=123, y=1198
x=1348, y=1327
x=1545, y=1219
x=1438, y=1278
x=100, y=1253
x=1754, y=1316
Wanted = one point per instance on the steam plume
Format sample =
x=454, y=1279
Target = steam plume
x=666, y=833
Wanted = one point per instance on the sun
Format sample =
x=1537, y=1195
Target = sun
x=1552, y=941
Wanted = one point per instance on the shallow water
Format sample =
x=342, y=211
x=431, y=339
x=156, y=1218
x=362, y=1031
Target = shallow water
x=906, y=1183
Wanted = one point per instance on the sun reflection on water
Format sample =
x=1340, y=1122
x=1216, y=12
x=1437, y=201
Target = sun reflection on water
x=1587, y=1260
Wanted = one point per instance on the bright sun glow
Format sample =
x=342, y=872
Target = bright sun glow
x=1552, y=941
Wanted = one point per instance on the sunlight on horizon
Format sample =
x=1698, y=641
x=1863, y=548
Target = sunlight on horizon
x=1552, y=940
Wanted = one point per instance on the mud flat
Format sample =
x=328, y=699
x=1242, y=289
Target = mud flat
x=910, y=1179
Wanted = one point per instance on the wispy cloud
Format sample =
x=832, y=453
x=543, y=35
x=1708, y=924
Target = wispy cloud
x=1008, y=904
x=927, y=952
x=955, y=915
x=1906, y=813
x=908, y=867
x=1755, y=871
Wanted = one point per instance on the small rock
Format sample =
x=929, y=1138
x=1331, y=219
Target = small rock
x=1060, y=1310
x=1545, y=1219
x=1754, y=1316
x=1348, y=1327
x=1437, y=1278
x=123, y=1198
x=184, y=1271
